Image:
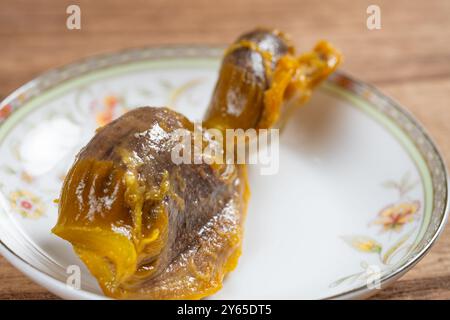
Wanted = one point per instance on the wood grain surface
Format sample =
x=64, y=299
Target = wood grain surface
x=409, y=59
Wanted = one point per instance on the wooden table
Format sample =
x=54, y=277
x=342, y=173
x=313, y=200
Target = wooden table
x=409, y=59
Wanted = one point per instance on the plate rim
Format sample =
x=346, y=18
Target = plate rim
x=55, y=76
x=356, y=86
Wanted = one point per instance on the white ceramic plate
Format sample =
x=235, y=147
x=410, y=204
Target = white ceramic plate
x=361, y=193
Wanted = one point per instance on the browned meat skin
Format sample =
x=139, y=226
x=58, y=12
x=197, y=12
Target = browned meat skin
x=190, y=204
x=238, y=98
x=197, y=209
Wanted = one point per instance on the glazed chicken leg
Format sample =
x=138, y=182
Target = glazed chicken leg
x=149, y=228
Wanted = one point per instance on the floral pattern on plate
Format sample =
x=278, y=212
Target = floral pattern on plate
x=392, y=221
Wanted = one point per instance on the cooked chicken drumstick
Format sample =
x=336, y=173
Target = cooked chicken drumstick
x=149, y=228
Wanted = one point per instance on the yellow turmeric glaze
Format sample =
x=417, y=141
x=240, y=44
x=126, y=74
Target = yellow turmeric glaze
x=295, y=78
x=291, y=81
x=101, y=208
